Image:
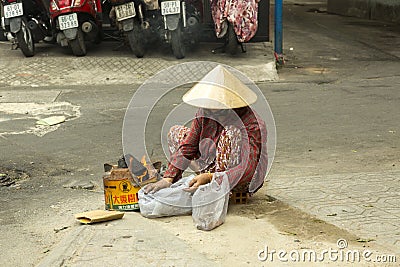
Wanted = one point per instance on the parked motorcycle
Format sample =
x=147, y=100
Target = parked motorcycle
x=181, y=25
x=173, y=22
x=28, y=22
x=236, y=21
x=129, y=18
x=77, y=21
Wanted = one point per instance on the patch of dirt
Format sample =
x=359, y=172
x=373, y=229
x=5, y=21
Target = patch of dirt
x=290, y=221
x=11, y=176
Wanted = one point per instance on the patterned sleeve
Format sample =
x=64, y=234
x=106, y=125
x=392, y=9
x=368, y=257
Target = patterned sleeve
x=186, y=152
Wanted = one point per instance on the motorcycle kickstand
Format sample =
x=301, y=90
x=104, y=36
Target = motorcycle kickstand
x=243, y=48
x=122, y=44
x=222, y=48
x=14, y=45
x=111, y=37
x=118, y=39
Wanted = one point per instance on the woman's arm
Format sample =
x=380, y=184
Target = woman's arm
x=186, y=152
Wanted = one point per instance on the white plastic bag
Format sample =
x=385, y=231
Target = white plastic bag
x=210, y=203
x=169, y=201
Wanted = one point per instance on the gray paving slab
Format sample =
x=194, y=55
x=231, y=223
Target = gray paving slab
x=367, y=204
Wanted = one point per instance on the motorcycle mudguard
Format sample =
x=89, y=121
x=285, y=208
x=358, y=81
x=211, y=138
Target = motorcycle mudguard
x=71, y=34
x=127, y=25
x=15, y=24
x=172, y=21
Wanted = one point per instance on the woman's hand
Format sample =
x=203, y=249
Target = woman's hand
x=154, y=187
x=203, y=178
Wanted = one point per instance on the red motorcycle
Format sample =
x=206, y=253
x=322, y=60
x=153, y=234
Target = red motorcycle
x=77, y=21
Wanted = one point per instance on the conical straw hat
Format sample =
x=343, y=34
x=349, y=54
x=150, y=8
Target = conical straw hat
x=220, y=89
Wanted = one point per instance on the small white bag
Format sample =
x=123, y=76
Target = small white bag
x=169, y=201
x=210, y=203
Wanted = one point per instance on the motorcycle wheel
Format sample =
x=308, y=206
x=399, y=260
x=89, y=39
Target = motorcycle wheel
x=136, y=41
x=232, y=41
x=177, y=44
x=2, y=36
x=78, y=45
x=25, y=39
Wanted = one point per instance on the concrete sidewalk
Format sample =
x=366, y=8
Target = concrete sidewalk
x=132, y=241
x=367, y=204
x=51, y=67
x=357, y=202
